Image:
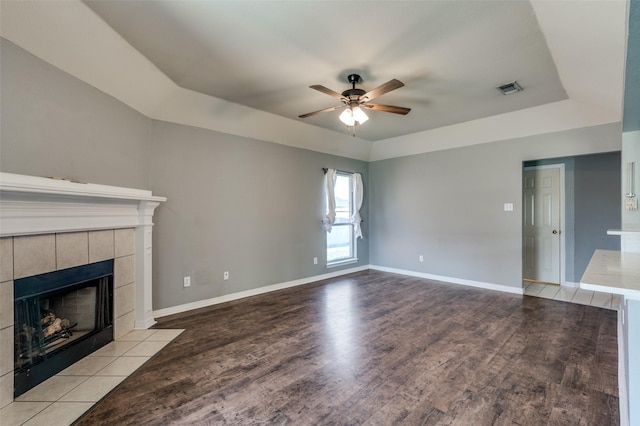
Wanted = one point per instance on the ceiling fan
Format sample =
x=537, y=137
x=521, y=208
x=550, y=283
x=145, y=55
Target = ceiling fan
x=354, y=98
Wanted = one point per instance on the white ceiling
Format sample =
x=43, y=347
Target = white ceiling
x=244, y=67
x=451, y=55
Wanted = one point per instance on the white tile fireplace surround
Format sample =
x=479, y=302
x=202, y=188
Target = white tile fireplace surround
x=48, y=225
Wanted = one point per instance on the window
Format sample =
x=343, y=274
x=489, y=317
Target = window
x=341, y=242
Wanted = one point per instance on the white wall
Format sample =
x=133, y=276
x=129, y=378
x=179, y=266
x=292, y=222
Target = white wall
x=630, y=218
x=630, y=327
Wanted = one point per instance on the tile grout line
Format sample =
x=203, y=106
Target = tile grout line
x=166, y=341
x=576, y=292
x=50, y=403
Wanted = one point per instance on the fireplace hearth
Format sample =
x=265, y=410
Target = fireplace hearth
x=60, y=317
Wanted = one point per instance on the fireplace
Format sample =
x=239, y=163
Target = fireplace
x=60, y=317
x=49, y=225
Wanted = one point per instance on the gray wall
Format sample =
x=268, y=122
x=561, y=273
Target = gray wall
x=235, y=204
x=56, y=125
x=448, y=205
x=253, y=208
x=591, y=208
x=597, y=206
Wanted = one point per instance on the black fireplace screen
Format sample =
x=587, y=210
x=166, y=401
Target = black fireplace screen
x=60, y=317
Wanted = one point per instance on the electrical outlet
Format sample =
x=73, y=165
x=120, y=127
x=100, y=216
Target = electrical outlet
x=226, y=275
x=508, y=207
x=315, y=260
x=421, y=258
x=187, y=282
x=631, y=203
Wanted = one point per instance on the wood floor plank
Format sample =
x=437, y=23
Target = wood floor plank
x=378, y=349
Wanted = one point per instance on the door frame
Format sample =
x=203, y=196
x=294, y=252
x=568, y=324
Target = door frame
x=562, y=200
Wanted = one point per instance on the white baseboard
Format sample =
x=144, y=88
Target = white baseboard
x=253, y=292
x=261, y=290
x=479, y=284
x=143, y=325
x=571, y=284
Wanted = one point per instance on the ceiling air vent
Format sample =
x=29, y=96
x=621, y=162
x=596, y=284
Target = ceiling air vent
x=510, y=88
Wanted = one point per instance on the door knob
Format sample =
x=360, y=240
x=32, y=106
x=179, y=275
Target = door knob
x=554, y=231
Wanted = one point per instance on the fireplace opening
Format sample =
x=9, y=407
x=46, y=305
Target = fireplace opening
x=60, y=317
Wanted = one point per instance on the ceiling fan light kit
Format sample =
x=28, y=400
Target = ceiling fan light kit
x=353, y=116
x=354, y=99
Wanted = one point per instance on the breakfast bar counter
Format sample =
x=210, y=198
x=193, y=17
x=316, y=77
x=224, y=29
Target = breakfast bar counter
x=614, y=272
x=619, y=273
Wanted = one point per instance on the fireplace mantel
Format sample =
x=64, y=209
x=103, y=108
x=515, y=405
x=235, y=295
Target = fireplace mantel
x=31, y=205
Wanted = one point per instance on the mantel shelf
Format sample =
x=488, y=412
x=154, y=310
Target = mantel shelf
x=31, y=205
x=13, y=183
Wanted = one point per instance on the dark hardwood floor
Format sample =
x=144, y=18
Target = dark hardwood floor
x=378, y=349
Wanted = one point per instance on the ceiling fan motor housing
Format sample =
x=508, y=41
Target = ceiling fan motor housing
x=353, y=94
x=353, y=98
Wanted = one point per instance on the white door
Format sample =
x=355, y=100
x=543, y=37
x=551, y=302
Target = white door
x=541, y=234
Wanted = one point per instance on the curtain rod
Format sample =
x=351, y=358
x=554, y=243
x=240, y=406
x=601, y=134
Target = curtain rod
x=325, y=170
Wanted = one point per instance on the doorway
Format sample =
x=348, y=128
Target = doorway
x=543, y=220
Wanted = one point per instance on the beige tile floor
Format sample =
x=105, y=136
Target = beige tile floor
x=573, y=295
x=70, y=393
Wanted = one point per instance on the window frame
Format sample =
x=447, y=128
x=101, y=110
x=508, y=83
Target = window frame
x=354, y=243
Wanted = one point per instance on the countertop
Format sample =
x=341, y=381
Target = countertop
x=613, y=272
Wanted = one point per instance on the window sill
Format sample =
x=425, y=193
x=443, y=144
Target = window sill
x=342, y=262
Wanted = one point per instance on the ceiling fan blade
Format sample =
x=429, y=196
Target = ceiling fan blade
x=333, y=108
x=327, y=91
x=382, y=89
x=388, y=108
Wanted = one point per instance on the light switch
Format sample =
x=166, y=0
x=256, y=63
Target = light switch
x=508, y=207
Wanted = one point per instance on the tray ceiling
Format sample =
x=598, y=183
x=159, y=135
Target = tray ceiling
x=450, y=54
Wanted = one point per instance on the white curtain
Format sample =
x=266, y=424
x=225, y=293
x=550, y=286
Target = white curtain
x=330, y=183
x=357, y=204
